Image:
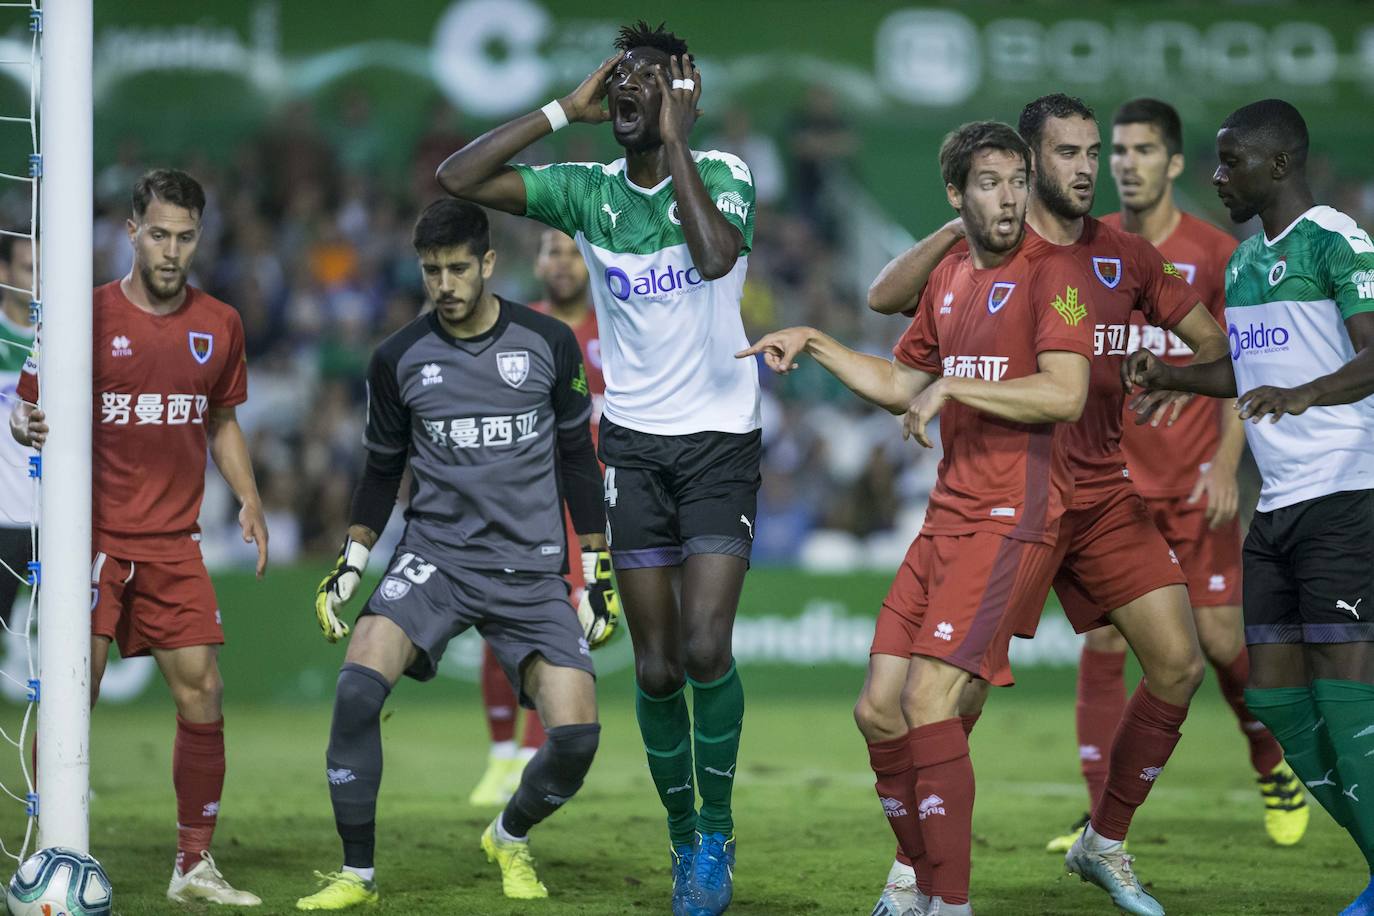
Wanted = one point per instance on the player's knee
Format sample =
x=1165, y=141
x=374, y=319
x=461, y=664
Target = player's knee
x=659, y=677
x=1177, y=676
x=878, y=722
x=359, y=694
x=1221, y=640
x=201, y=695
x=572, y=748
x=708, y=657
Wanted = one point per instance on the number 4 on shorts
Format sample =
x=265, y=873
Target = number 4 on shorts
x=611, y=492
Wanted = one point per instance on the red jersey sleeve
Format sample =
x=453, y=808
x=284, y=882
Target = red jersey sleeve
x=1060, y=308
x=231, y=388
x=28, y=380
x=1216, y=289
x=919, y=346
x=957, y=249
x=1166, y=297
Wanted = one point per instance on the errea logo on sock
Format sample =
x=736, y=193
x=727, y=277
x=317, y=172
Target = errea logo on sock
x=210, y=810
x=1149, y=774
x=339, y=777
x=893, y=807
x=931, y=804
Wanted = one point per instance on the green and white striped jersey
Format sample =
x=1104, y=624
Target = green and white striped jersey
x=668, y=336
x=1286, y=303
x=16, y=490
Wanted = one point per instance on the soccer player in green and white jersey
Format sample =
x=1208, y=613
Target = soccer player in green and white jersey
x=1300, y=310
x=665, y=232
x=16, y=493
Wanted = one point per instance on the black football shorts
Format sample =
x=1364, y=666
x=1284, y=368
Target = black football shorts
x=1309, y=571
x=669, y=497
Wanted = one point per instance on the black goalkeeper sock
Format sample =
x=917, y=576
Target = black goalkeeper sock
x=354, y=760
x=552, y=776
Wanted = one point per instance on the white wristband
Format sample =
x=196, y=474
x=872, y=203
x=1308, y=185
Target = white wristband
x=558, y=118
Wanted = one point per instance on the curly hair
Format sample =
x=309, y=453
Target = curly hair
x=643, y=35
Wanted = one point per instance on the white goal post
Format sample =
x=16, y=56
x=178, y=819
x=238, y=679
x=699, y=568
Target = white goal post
x=64, y=554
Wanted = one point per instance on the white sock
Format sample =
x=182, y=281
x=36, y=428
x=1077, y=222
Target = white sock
x=526, y=754
x=502, y=750
x=504, y=835
x=367, y=874
x=1095, y=842
x=900, y=870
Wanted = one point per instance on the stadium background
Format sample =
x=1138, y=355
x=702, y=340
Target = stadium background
x=316, y=127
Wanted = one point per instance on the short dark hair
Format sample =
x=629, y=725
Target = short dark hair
x=643, y=35
x=1273, y=122
x=448, y=223
x=171, y=186
x=1161, y=115
x=1056, y=105
x=960, y=146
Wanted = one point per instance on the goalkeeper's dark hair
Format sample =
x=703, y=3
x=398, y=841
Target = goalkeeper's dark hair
x=643, y=35
x=1057, y=105
x=1160, y=115
x=171, y=186
x=448, y=223
x=961, y=145
x=1274, y=124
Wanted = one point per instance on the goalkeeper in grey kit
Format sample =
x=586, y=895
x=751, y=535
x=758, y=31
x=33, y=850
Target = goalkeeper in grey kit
x=487, y=403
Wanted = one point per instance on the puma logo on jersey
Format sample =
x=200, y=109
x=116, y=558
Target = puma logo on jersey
x=1342, y=606
x=613, y=214
x=1324, y=781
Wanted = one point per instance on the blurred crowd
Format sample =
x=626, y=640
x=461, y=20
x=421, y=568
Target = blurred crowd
x=310, y=240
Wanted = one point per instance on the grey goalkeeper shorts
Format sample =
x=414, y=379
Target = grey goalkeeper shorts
x=518, y=614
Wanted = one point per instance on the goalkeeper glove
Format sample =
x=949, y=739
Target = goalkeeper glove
x=337, y=587
x=599, y=609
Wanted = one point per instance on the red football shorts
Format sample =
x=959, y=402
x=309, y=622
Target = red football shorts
x=1210, y=558
x=147, y=604
x=1112, y=553
x=958, y=598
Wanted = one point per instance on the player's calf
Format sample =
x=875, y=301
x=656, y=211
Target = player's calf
x=552, y=776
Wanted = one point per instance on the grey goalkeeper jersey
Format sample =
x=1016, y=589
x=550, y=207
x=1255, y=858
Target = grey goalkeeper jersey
x=479, y=419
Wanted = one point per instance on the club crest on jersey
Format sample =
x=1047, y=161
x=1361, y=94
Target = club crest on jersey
x=672, y=215
x=1108, y=270
x=202, y=345
x=1277, y=271
x=514, y=366
x=998, y=296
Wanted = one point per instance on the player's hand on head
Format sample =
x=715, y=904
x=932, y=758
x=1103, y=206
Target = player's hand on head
x=779, y=349
x=584, y=103
x=254, y=526
x=599, y=610
x=680, y=89
x=1273, y=402
x=338, y=587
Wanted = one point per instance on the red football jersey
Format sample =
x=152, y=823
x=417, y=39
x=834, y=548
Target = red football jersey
x=1012, y=478
x=1165, y=461
x=155, y=377
x=587, y=338
x=1118, y=273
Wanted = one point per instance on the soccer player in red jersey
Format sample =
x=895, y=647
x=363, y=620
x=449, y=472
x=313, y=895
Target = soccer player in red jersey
x=1000, y=351
x=1186, y=472
x=1147, y=599
x=559, y=266
x=168, y=372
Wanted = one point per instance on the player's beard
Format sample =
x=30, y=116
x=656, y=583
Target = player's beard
x=157, y=287
x=1058, y=201
x=986, y=239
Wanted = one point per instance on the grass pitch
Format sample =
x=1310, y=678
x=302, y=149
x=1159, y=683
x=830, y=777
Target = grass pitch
x=812, y=838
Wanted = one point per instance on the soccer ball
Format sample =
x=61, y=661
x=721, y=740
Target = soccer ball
x=59, y=882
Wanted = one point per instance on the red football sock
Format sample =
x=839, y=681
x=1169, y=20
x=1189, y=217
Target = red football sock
x=198, y=776
x=1101, y=701
x=896, y=786
x=498, y=697
x=944, y=789
x=969, y=721
x=534, y=736
x=1144, y=741
x=1265, y=752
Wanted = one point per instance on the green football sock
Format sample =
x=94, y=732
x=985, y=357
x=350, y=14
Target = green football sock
x=718, y=712
x=1291, y=715
x=666, y=730
x=1348, y=707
